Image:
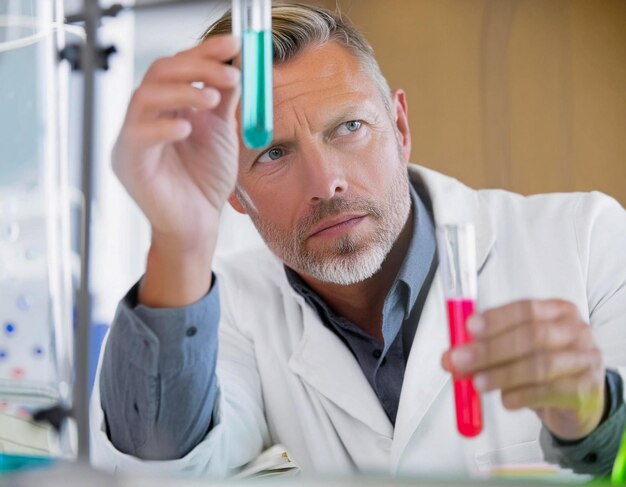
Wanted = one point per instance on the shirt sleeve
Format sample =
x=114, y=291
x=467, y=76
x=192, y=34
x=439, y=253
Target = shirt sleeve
x=158, y=384
x=595, y=453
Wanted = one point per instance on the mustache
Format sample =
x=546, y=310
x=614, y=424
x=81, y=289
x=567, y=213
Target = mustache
x=333, y=207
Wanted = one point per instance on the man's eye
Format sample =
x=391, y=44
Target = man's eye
x=273, y=154
x=349, y=127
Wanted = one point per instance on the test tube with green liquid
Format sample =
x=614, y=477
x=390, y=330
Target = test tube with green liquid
x=252, y=23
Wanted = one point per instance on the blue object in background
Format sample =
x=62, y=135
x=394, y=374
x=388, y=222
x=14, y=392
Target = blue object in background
x=98, y=331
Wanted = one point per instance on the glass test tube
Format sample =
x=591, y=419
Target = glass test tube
x=252, y=23
x=457, y=258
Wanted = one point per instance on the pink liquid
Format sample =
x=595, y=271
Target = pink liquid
x=469, y=419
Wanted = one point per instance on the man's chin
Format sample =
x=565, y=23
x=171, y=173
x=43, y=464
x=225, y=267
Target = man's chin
x=345, y=269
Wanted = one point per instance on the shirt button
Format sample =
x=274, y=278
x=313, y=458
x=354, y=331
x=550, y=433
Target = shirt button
x=191, y=331
x=377, y=353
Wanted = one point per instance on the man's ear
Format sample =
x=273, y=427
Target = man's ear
x=233, y=199
x=400, y=110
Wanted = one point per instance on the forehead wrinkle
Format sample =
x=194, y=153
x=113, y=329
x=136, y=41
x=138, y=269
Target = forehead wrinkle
x=310, y=100
x=302, y=119
x=335, y=80
x=316, y=88
x=325, y=112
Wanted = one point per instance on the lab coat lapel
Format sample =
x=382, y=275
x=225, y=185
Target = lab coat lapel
x=453, y=202
x=326, y=364
x=424, y=378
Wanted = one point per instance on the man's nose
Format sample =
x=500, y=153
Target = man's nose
x=324, y=176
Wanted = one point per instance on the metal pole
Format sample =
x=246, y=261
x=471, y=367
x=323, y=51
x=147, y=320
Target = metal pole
x=83, y=325
x=89, y=63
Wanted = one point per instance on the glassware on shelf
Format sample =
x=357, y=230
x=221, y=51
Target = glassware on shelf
x=35, y=279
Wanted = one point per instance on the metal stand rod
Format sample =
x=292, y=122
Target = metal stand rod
x=83, y=325
x=89, y=63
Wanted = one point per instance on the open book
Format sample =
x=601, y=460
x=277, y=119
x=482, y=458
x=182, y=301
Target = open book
x=273, y=461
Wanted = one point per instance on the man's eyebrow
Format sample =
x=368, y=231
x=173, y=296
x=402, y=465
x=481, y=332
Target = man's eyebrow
x=346, y=113
x=351, y=110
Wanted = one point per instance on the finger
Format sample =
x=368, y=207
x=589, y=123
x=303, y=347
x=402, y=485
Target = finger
x=521, y=341
x=145, y=137
x=159, y=131
x=541, y=368
x=583, y=393
x=229, y=102
x=223, y=47
x=184, y=69
x=497, y=320
x=151, y=100
x=446, y=361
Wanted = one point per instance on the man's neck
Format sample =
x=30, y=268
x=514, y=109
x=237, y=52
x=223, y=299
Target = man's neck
x=362, y=303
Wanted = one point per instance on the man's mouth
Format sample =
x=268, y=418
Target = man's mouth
x=338, y=225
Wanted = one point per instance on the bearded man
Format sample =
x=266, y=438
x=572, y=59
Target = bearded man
x=332, y=337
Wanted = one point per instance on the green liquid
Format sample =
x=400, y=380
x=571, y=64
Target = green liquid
x=256, y=104
x=12, y=463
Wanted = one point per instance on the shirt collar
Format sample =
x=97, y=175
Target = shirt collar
x=415, y=265
x=419, y=256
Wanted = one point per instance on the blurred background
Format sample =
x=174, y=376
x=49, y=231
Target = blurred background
x=525, y=95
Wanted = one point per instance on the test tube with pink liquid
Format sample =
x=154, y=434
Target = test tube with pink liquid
x=457, y=260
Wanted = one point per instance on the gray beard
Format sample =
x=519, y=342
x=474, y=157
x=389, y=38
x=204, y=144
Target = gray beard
x=350, y=259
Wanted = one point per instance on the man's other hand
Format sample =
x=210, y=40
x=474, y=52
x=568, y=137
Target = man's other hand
x=177, y=152
x=177, y=156
x=541, y=355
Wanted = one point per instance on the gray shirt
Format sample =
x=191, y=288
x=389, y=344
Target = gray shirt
x=158, y=385
x=384, y=364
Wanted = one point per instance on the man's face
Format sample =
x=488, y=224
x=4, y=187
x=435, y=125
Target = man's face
x=330, y=195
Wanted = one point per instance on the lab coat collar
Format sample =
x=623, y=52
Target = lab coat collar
x=453, y=202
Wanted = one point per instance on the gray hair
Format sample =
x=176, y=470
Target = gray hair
x=297, y=26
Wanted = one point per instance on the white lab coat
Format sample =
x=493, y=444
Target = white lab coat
x=286, y=378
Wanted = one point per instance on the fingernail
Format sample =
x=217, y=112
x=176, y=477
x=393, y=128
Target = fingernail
x=208, y=91
x=445, y=361
x=460, y=358
x=212, y=95
x=475, y=324
x=480, y=382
